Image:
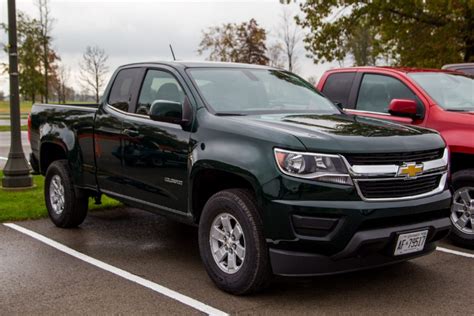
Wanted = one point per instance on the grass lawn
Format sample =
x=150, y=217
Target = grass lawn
x=7, y=128
x=25, y=107
x=22, y=205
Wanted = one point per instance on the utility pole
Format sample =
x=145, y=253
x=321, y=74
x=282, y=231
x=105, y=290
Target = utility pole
x=16, y=172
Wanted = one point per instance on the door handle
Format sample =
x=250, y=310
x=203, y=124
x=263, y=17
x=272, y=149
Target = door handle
x=130, y=132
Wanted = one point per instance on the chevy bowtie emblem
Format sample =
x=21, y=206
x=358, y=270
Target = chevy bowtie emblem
x=410, y=170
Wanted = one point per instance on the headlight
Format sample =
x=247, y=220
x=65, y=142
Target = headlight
x=320, y=167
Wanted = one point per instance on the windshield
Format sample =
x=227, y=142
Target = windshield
x=245, y=91
x=451, y=92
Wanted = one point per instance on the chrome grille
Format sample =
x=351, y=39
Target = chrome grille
x=394, y=158
x=396, y=188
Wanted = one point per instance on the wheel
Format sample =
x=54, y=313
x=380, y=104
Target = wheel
x=462, y=210
x=66, y=206
x=231, y=243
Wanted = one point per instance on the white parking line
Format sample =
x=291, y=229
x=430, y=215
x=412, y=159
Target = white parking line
x=3, y=158
x=122, y=273
x=455, y=252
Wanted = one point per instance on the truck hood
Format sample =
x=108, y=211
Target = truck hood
x=348, y=133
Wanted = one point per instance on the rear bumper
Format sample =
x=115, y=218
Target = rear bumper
x=366, y=249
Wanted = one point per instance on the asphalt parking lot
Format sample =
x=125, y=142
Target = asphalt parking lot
x=126, y=261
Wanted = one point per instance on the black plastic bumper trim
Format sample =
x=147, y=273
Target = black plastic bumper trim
x=305, y=264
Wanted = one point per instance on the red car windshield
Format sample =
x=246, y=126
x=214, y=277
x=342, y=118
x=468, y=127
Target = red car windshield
x=450, y=91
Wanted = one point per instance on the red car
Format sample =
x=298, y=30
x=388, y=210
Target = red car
x=438, y=99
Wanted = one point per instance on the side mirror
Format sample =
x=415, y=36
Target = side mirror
x=172, y=112
x=404, y=108
x=166, y=111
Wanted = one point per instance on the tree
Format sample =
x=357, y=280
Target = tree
x=361, y=45
x=221, y=41
x=290, y=35
x=410, y=33
x=29, y=56
x=93, y=69
x=49, y=56
x=2, y=95
x=276, y=56
x=244, y=43
x=252, y=48
x=60, y=84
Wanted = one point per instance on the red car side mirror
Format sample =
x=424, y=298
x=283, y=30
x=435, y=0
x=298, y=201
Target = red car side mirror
x=404, y=108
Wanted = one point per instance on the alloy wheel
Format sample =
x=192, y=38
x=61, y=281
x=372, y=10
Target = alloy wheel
x=227, y=241
x=56, y=194
x=462, y=210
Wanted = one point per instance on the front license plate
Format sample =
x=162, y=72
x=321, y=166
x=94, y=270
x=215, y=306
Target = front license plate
x=411, y=242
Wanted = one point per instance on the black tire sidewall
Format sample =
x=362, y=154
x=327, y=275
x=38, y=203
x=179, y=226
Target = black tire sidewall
x=255, y=262
x=75, y=208
x=463, y=178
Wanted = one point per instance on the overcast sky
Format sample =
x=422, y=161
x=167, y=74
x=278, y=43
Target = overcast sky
x=131, y=31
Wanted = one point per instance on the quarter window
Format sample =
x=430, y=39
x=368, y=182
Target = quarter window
x=338, y=87
x=158, y=85
x=121, y=93
x=377, y=91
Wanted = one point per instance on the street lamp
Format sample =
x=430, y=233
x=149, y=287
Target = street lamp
x=16, y=172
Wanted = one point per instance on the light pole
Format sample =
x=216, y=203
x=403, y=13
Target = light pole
x=16, y=172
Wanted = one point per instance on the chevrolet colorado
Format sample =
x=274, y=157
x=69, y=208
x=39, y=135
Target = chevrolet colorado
x=277, y=178
x=432, y=98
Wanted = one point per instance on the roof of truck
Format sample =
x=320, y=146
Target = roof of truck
x=392, y=69
x=200, y=64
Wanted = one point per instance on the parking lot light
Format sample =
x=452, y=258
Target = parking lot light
x=17, y=172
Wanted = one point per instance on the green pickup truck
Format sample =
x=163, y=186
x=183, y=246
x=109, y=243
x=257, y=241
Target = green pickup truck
x=277, y=178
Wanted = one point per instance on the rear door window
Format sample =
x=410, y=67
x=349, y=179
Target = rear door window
x=377, y=91
x=124, y=85
x=338, y=87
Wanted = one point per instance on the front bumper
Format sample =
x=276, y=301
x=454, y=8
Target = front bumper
x=366, y=249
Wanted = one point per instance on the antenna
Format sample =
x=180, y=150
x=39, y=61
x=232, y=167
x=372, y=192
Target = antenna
x=172, y=52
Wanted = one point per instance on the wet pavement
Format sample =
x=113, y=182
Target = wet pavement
x=38, y=279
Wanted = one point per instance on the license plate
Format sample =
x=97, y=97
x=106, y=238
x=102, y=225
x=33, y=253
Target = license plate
x=410, y=242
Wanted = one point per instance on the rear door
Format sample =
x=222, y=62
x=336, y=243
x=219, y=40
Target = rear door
x=108, y=130
x=155, y=154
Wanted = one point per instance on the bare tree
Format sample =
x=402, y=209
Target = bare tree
x=275, y=53
x=60, y=85
x=290, y=35
x=94, y=69
x=46, y=22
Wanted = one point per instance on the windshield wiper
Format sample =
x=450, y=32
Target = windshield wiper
x=230, y=114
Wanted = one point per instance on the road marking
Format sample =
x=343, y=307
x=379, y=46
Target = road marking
x=455, y=252
x=122, y=273
x=3, y=158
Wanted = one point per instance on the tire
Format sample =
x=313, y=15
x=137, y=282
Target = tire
x=67, y=207
x=251, y=274
x=462, y=209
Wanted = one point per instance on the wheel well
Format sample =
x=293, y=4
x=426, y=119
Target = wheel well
x=48, y=154
x=461, y=161
x=208, y=182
